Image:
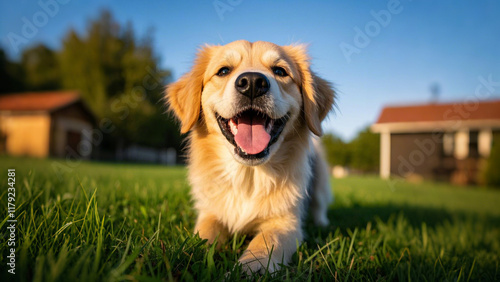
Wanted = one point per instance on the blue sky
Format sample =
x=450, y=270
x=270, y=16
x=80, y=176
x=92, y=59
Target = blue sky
x=396, y=59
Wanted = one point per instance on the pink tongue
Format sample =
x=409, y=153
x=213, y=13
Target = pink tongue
x=252, y=136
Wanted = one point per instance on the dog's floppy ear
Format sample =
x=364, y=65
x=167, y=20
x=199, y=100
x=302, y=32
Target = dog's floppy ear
x=184, y=96
x=317, y=93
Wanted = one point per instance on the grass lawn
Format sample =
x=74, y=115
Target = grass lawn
x=97, y=221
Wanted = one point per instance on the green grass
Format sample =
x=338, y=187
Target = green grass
x=111, y=222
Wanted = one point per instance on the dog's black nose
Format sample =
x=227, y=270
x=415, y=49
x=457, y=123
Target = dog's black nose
x=252, y=84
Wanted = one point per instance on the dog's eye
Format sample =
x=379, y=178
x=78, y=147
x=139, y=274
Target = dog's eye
x=223, y=71
x=279, y=71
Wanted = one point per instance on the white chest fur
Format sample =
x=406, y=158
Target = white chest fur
x=238, y=195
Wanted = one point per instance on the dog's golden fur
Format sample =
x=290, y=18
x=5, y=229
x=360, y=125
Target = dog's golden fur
x=264, y=198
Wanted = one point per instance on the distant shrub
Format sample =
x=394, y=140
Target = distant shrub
x=492, y=172
x=336, y=150
x=365, y=150
x=362, y=153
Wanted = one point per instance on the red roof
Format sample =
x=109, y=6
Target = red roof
x=38, y=101
x=467, y=110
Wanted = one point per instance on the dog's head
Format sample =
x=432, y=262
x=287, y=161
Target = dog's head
x=253, y=94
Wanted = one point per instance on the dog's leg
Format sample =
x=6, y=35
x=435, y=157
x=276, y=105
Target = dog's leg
x=209, y=227
x=322, y=194
x=274, y=244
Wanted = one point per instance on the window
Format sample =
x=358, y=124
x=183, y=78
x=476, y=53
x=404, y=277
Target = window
x=473, y=144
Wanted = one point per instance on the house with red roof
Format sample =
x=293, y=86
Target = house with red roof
x=43, y=124
x=442, y=141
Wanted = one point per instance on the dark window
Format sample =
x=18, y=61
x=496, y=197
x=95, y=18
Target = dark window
x=473, y=144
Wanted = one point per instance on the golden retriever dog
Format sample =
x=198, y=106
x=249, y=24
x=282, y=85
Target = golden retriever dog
x=252, y=111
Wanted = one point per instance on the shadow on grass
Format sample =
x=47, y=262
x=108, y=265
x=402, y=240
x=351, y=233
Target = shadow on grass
x=360, y=216
x=460, y=242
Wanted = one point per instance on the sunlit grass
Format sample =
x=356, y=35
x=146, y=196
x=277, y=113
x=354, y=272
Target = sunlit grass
x=111, y=222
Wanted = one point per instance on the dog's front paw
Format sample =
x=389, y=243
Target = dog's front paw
x=257, y=264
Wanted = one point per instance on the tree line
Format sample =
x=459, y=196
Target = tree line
x=361, y=154
x=116, y=72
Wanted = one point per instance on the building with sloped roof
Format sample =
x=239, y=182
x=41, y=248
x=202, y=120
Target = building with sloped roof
x=43, y=124
x=449, y=141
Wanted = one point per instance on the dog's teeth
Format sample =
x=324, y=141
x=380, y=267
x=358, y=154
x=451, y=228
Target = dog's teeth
x=269, y=126
x=240, y=150
x=233, y=127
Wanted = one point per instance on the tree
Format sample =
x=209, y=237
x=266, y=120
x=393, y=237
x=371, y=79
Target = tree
x=337, y=151
x=120, y=79
x=362, y=153
x=41, y=68
x=11, y=75
x=365, y=150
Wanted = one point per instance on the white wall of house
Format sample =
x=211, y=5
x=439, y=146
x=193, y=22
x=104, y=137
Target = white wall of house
x=148, y=154
x=385, y=154
x=484, y=142
x=461, y=144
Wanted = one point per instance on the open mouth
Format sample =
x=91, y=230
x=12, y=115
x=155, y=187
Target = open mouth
x=252, y=132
